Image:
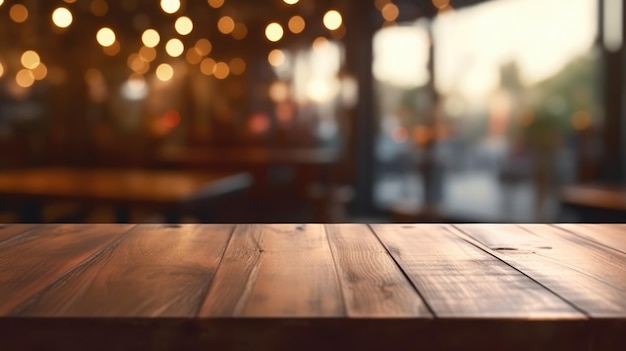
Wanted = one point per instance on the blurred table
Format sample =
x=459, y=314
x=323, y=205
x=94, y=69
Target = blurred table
x=313, y=287
x=595, y=202
x=168, y=191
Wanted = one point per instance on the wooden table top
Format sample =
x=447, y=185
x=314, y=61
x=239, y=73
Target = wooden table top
x=307, y=286
x=128, y=186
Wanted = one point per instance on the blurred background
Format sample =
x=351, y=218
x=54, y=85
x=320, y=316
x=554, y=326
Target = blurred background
x=330, y=110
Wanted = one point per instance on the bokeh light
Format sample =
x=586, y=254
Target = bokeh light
x=150, y=38
x=62, y=17
x=164, y=72
x=216, y=4
x=147, y=54
x=276, y=58
x=183, y=25
x=221, y=70
x=30, y=59
x=291, y=2
x=225, y=25
x=40, y=72
x=274, y=32
x=24, y=78
x=332, y=20
x=203, y=46
x=296, y=24
x=18, y=13
x=390, y=12
x=113, y=49
x=105, y=36
x=174, y=47
x=237, y=66
x=240, y=31
x=207, y=66
x=170, y=6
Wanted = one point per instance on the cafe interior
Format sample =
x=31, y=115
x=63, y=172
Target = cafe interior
x=245, y=111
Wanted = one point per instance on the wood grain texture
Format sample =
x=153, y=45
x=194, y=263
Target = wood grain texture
x=33, y=261
x=8, y=231
x=157, y=270
x=277, y=270
x=611, y=235
x=372, y=284
x=459, y=280
x=589, y=275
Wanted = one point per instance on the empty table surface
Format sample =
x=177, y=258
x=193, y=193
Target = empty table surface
x=128, y=186
x=308, y=286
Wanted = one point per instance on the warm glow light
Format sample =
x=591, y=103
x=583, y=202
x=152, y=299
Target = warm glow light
x=30, y=59
x=279, y=91
x=24, y=78
x=332, y=20
x=105, y=36
x=40, y=72
x=441, y=4
x=319, y=43
x=147, y=54
x=164, y=72
x=381, y=3
x=216, y=4
x=237, y=66
x=1, y=66
x=137, y=64
x=1, y=2
x=70, y=1
x=183, y=25
x=296, y=24
x=135, y=88
x=226, y=25
x=221, y=70
x=174, y=47
x=390, y=12
x=62, y=17
x=274, y=32
x=207, y=66
x=203, y=46
x=150, y=38
x=291, y=2
x=18, y=13
x=276, y=57
x=240, y=31
x=170, y=6
x=113, y=49
x=193, y=56
x=99, y=8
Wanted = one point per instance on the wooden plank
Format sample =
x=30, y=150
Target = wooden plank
x=157, y=270
x=611, y=235
x=278, y=270
x=459, y=280
x=589, y=275
x=372, y=284
x=8, y=231
x=33, y=261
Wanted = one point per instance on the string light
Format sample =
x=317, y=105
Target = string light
x=390, y=12
x=221, y=70
x=62, y=17
x=207, y=66
x=203, y=46
x=237, y=66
